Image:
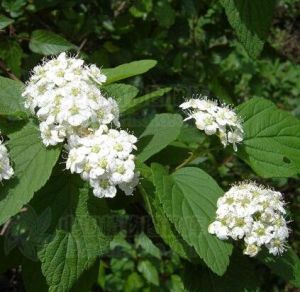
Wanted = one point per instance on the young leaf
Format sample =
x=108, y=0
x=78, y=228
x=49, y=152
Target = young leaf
x=272, y=139
x=77, y=236
x=128, y=70
x=148, y=270
x=5, y=21
x=32, y=164
x=11, y=101
x=189, y=200
x=163, y=129
x=139, y=102
x=251, y=20
x=48, y=43
x=143, y=241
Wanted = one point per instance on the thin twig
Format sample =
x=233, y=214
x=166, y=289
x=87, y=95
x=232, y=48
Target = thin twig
x=193, y=156
x=7, y=71
x=81, y=46
x=5, y=227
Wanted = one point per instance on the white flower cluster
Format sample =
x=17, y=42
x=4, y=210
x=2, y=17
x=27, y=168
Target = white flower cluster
x=253, y=213
x=63, y=94
x=104, y=159
x=6, y=171
x=212, y=118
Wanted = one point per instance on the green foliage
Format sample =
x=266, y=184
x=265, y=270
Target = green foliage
x=128, y=70
x=240, y=276
x=123, y=93
x=5, y=21
x=79, y=236
x=287, y=266
x=251, y=21
x=33, y=165
x=189, y=199
x=162, y=225
x=163, y=129
x=142, y=101
x=133, y=266
x=63, y=237
x=11, y=103
x=272, y=142
x=48, y=43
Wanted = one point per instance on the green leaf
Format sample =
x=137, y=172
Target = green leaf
x=162, y=130
x=5, y=21
x=14, y=7
x=32, y=164
x=141, y=101
x=48, y=43
x=286, y=266
x=133, y=283
x=251, y=20
x=189, y=199
x=162, y=224
x=123, y=93
x=148, y=270
x=272, y=139
x=80, y=231
x=240, y=277
x=128, y=70
x=141, y=8
x=164, y=13
x=11, y=52
x=143, y=241
x=11, y=101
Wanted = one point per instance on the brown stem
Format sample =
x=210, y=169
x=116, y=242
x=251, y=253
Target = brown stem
x=7, y=71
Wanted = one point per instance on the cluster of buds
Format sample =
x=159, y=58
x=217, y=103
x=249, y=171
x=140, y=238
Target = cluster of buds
x=214, y=119
x=6, y=171
x=252, y=213
x=64, y=94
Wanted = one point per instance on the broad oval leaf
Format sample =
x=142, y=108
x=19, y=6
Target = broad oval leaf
x=162, y=130
x=251, y=20
x=32, y=164
x=48, y=43
x=80, y=231
x=162, y=224
x=189, y=200
x=11, y=101
x=272, y=139
x=128, y=70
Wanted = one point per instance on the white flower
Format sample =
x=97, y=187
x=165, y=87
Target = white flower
x=214, y=119
x=6, y=171
x=251, y=250
x=252, y=213
x=63, y=93
x=104, y=159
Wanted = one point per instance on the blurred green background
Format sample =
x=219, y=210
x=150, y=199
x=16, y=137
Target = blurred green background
x=197, y=53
